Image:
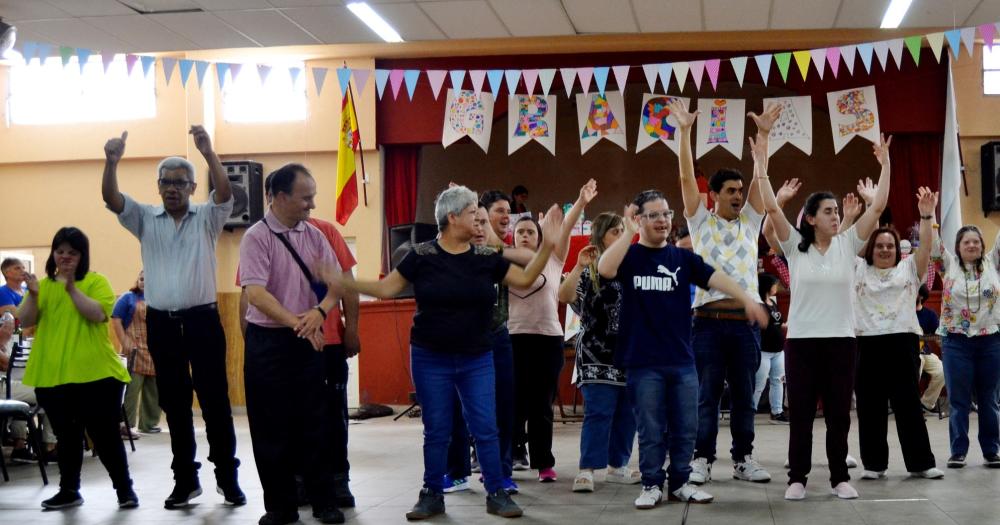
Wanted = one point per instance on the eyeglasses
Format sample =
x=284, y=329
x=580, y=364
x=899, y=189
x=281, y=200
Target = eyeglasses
x=657, y=215
x=177, y=183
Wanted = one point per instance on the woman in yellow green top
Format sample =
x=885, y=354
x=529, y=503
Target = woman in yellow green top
x=76, y=373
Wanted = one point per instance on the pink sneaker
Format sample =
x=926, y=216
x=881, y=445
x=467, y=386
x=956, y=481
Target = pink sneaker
x=547, y=475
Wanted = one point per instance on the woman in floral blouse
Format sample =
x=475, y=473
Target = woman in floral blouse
x=970, y=340
x=128, y=319
x=608, y=422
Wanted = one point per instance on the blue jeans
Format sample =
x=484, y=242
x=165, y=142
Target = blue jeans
x=503, y=367
x=972, y=365
x=436, y=377
x=662, y=397
x=608, y=427
x=772, y=368
x=725, y=351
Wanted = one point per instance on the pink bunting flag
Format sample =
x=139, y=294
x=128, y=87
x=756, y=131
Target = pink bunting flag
x=568, y=75
x=130, y=61
x=697, y=70
x=395, y=80
x=712, y=66
x=361, y=77
x=819, y=60
x=477, y=76
x=988, y=32
x=833, y=58
x=621, y=76
x=530, y=79
x=585, y=74
x=436, y=76
x=106, y=58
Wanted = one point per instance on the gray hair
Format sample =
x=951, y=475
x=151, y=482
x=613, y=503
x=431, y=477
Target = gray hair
x=173, y=163
x=452, y=201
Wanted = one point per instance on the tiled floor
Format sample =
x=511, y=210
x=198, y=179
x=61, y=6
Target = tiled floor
x=386, y=471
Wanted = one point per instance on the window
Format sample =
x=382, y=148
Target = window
x=991, y=70
x=52, y=94
x=247, y=99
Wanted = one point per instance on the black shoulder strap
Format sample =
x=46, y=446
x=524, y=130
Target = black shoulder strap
x=295, y=255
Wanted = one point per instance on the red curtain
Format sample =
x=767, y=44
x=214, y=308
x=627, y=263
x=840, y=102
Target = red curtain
x=916, y=161
x=402, y=162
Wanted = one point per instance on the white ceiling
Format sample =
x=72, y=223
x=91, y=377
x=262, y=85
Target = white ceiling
x=112, y=25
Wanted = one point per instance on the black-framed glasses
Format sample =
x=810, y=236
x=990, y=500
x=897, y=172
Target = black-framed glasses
x=176, y=183
x=656, y=215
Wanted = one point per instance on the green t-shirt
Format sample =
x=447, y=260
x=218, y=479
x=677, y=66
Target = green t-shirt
x=68, y=348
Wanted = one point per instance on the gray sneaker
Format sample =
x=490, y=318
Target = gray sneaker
x=501, y=504
x=701, y=471
x=428, y=505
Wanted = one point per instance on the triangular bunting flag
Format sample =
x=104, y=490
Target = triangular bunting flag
x=783, y=60
x=185, y=66
x=882, y=52
x=764, y=66
x=263, y=71
x=477, y=76
x=107, y=57
x=82, y=57
x=988, y=32
x=361, y=79
x=512, y=76
x=65, y=53
x=849, y=52
x=319, y=77
x=650, y=71
x=381, y=76
x=585, y=74
x=913, y=45
x=819, y=60
x=221, y=68
x=739, y=67
x=168, y=68
x=495, y=76
x=600, y=78
x=896, y=50
x=954, y=37
x=546, y=76
x=201, y=67
x=666, y=70
x=530, y=79
x=294, y=73
x=681, y=73
x=411, y=76
x=147, y=64
x=802, y=59
x=457, y=79
x=28, y=50
x=621, y=76
x=395, y=80
x=44, y=52
x=936, y=40
x=436, y=78
x=865, y=50
x=343, y=78
x=712, y=67
x=833, y=58
x=968, y=38
x=568, y=75
x=697, y=71
x=234, y=70
x=130, y=61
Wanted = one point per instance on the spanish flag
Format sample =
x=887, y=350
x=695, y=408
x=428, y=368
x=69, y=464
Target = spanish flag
x=347, y=174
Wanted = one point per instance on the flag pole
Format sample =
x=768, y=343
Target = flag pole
x=364, y=176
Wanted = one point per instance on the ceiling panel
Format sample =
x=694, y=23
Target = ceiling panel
x=861, y=13
x=305, y=3
x=465, y=18
x=233, y=5
x=409, y=21
x=987, y=12
x=204, y=29
x=74, y=32
x=601, y=16
x=932, y=13
x=158, y=6
x=267, y=27
x=141, y=34
x=16, y=10
x=803, y=14
x=88, y=7
x=533, y=17
x=736, y=15
x=668, y=16
x=332, y=25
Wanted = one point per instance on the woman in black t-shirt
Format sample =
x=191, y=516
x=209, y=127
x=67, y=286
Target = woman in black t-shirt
x=454, y=283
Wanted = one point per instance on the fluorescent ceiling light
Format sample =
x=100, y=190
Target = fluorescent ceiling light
x=895, y=13
x=374, y=21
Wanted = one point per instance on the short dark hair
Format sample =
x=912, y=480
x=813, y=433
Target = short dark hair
x=765, y=281
x=721, y=177
x=282, y=179
x=647, y=196
x=923, y=294
x=518, y=190
x=870, y=246
x=489, y=198
x=77, y=240
x=8, y=262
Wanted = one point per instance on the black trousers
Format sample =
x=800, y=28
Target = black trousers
x=189, y=353
x=287, y=407
x=96, y=408
x=538, y=359
x=887, y=375
x=819, y=369
x=336, y=384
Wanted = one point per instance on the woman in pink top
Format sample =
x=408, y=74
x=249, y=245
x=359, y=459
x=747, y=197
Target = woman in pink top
x=537, y=339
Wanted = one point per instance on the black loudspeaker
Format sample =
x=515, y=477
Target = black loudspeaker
x=247, y=180
x=990, y=156
x=402, y=238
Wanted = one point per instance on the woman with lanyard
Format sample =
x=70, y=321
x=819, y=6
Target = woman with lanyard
x=608, y=422
x=821, y=349
x=970, y=344
x=537, y=338
x=454, y=283
x=885, y=285
x=128, y=320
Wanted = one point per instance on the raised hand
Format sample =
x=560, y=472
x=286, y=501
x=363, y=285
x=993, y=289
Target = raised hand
x=32, y=281
x=587, y=256
x=758, y=148
x=630, y=220
x=881, y=150
x=588, y=191
x=866, y=189
x=552, y=224
x=765, y=121
x=787, y=191
x=115, y=148
x=851, y=206
x=926, y=201
x=201, y=140
x=684, y=117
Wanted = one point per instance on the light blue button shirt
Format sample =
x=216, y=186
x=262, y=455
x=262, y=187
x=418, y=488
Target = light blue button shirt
x=178, y=259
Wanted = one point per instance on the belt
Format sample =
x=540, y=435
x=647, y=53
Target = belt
x=723, y=315
x=201, y=308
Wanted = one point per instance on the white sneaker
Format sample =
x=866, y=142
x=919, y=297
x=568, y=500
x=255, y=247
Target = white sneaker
x=584, y=481
x=844, y=490
x=795, y=492
x=750, y=470
x=851, y=462
x=931, y=473
x=873, y=474
x=623, y=476
x=701, y=471
x=648, y=498
x=689, y=492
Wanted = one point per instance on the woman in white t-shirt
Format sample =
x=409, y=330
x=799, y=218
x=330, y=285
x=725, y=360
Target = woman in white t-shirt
x=885, y=285
x=537, y=338
x=820, y=352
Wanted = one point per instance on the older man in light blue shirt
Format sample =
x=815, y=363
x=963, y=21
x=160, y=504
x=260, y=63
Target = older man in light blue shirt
x=186, y=340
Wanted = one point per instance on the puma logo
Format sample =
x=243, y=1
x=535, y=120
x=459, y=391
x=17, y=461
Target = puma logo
x=663, y=284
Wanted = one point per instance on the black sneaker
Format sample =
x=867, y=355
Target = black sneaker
x=329, y=515
x=278, y=518
x=956, y=461
x=182, y=495
x=992, y=460
x=428, y=505
x=501, y=504
x=127, y=498
x=63, y=499
x=232, y=495
x=780, y=418
x=342, y=496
